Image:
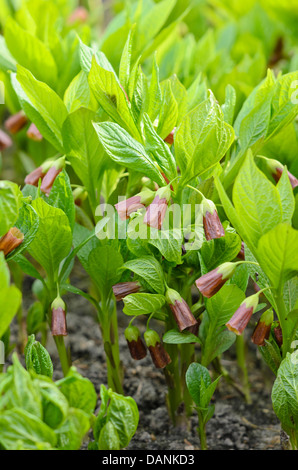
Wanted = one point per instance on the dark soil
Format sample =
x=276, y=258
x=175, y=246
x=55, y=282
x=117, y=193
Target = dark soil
x=235, y=424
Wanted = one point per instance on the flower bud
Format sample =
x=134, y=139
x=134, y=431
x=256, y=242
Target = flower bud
x=181, y=311
x=156, y=212
x=243, y=314
x=11, y=240
x=158, y=354
x=212, y=225
x=79, y=15
x=136, y=346
x=79, y=195
x=210, y=283
x=33, y=133
x=262, y=329
x=276, y=168
x=5, y=141
x=16, y=122
x=58, y=323
x=132, y=204
x=122, y=289
x=49, y=179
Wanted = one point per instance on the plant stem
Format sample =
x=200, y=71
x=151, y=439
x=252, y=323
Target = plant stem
x=294, y=439
x=64, y=358
x=240, y=351
x=282, y=316
x=202, y=431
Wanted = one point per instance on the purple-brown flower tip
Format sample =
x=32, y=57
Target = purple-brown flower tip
x=11, y=240
x=212, y=226
x=243, y=314
x=181, y=311
x=263, y=328
x=49, y=179
x=278, y=335
x=210, y=283
x=170, y=138
x=33, y=133
x=122, y=289
x=79, y=195
x=241, y=254
x=156, y=212
x=34, y=177
x=158, y=353
x=16, y=122
x=139, y=201
x=276, y=168
x=136, y=346
x=5, y=141
x=58, y=323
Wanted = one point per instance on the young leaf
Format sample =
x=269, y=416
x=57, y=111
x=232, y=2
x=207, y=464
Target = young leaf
x=150, y=270
x=142, y=304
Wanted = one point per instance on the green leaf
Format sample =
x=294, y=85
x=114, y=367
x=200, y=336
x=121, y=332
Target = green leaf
x=79, y=391
x=27, y=223
x=19, y=425
x=202, y=139
x=256, y=202
x=169, y=244
x=108, y=438
x=126, y=151
x=287, y=199
x=111, y=97
x=197, y=380
x=37, y=357
x=53, y=239
x=150, y=270
x=285, y=393
x=54, y=403
x=177, y=337
x=169, y=113
x=10, y=297
x=7, y=61
x=142, y=304
x=42, y=105
x=123, y=414
x=228, y=107
x=220, y=250
x=224, y=304
x=104, y=264
x=61, y=197
x=159, y=149
x=78, y=94
x=125, y=62
x=278, y=254
x=73, y=430
x=30, y=52
x=10, y=204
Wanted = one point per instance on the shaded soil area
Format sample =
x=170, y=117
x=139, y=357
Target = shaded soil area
x=235, y=424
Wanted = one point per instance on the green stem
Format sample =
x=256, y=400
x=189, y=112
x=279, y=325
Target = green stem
x=240, y=351
x=172, y=374
x=202, y=431
x=282, y=316
x=64, y=358
x=294, y=439
x=187, y=354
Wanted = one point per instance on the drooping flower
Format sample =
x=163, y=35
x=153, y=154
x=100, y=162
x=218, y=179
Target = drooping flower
x=170, y=138
x=181, y=311
x=263, y=328
x=136, y=346
x=11, y=240
x=49, y=179
x=16, y=122
x=79, y=15
x=58, y=322
x=5, y=141
x=33, y=133
x=276, y=168
x=139, y=201
x=122, y=289
x=278, y=335
x=156, y=212
x=212, y=225
x=210, y=283
x=243, y=314
x=159, y=355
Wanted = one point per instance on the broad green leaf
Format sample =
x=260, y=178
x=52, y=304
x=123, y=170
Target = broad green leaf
x=169, y=244
x=78, y=94
x=10, y=204
x=54, y=404
x=202, y=139
x=197, y=380
x=159, y=150
x=286, y=197
x=177, y=337
x=104, y=264
x=168, y=115
x=224, y=304
x=108, y=438
x=142, y=304
x=285, y=393
x=254, y=126
x=220, y=250
x=126, y=151
x=111, y=97
x=53, y=239
x=125, y=62
x=7, y=61
x=124, y=415
x=42, y=105
x=10, y=299
x=149, y=269
x=228, y=107
x=71, y=433
x=61, y=197
x=30, y=52
x=19, y=425
x=79, y=391
x=256, y=202
x=278, y=254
